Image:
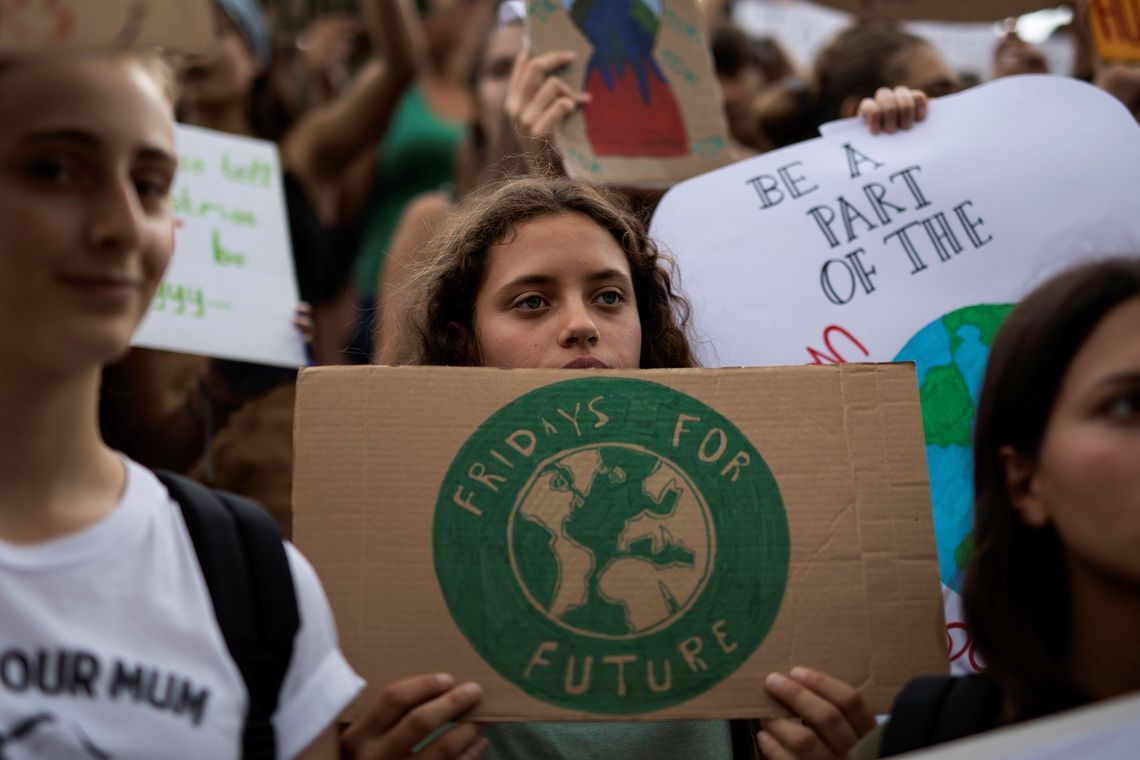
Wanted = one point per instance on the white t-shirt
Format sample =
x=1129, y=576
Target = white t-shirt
x=109, y=646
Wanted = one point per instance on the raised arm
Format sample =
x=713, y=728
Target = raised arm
x=327, y=139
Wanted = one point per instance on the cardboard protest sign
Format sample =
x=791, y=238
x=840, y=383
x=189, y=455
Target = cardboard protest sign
x=106, y=24
x=621, y=545
x=230, y=290
x=656, y=114
x=909, y=247
x=1107, y=731
x=1116, y=29
x=959, y=10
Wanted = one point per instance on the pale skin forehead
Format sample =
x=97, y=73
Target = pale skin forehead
x=1112, y=350
x=114, y=97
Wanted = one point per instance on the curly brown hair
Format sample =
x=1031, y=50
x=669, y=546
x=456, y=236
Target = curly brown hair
x=450, y=282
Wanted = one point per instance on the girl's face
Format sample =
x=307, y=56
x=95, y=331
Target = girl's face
x=558, y=294
x=494, y=76
x=86, y=162
x=921, y=67
x=1086, y=480
x=222, y=78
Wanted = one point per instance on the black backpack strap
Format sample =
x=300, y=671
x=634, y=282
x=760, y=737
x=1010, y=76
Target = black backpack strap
x=937, y=709
x=243, y=560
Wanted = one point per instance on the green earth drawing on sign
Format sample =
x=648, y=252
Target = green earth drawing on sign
x=611, y=545
x=950, y=357
x=611, y=540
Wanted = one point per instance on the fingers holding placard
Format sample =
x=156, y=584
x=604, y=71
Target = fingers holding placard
x=409, y=711
x=538, y=101
x=893, y=109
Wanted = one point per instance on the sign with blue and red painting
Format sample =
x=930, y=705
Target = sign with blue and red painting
x=654, y=115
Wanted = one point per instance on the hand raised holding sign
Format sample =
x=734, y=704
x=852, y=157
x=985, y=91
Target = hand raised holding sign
x=409, y=711
x=538, y=101
x=893, y=109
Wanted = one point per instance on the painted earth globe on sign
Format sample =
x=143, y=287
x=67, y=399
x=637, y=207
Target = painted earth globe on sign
x=950, y=356
x=611, y=541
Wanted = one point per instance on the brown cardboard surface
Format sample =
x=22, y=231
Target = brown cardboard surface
x=681, y=56
x=27, y=25
x=941, y=10
x=844, y=445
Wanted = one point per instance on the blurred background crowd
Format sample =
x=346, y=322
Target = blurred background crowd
x=387, y=112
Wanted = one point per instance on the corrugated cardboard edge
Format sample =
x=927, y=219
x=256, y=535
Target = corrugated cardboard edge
x=884, y=567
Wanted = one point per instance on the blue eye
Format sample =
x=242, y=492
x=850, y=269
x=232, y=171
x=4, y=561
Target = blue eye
x=611, y=298
x=531, y=303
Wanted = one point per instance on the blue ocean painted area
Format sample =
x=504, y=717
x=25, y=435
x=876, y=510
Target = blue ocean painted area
x=971, y=359
x=654, y=5
x=928, y=349
x=952, y=497
x=950, y=355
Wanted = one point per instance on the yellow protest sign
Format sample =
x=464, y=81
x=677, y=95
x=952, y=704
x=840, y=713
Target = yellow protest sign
x=1116, y=29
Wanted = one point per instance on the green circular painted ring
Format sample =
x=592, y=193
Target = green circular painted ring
x=611, y=545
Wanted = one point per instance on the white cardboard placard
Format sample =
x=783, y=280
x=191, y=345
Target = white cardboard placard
x=230, y=290
x=912, y=246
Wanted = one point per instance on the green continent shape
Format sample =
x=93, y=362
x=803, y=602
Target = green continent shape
x=947, y=408
x=986, y=318
x=535, y=548
x=965, y=551
x=645, y=17
x=597, y=523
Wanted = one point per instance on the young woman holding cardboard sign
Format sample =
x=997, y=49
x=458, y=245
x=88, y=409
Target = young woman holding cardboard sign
x=111, y=646
x=554, y=273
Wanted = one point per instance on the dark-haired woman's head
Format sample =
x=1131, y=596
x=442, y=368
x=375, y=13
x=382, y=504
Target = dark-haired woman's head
x=1057, y=482
x=745, y=65
x=853, y=66
x=236, y=87
x=491, y=144
x=549, y=273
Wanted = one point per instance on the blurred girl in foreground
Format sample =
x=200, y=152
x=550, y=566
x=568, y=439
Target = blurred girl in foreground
x=110, y=641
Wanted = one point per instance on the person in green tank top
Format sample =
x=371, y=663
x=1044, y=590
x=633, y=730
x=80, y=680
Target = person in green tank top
x=419, y=151
x=418, y=155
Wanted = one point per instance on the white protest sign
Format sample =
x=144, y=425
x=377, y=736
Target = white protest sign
x=909, y=247
x=188, y=25
x=804, y=28
x=959, y=10
x=230, y=290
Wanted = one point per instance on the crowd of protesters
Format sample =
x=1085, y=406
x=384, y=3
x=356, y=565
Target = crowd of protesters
x=422, y=184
